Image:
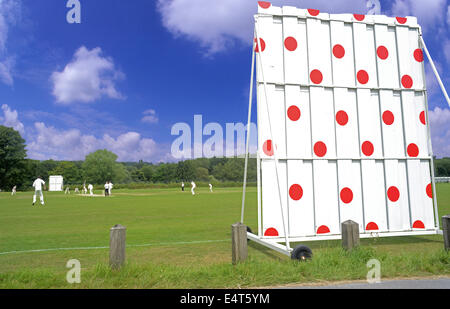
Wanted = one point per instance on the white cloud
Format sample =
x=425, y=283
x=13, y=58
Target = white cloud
x=50, y=142
x=448, y=16
x=440, y=131
x=88, y=77
x=150, y=116
x=11, y=119
x=9, y=14
x=217, y=25
x=429, y=13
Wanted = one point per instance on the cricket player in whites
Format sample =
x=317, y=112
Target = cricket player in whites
x=37, y=184
x=210, y=187
x=13, y=192
x=193, y=187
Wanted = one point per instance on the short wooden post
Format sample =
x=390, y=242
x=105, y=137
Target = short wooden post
x=117, y=246
x=239, y=251
x=446, y=231
x=350, y=234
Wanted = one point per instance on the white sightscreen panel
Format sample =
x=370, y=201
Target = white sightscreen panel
x=366, y=73
x=350, y=197
x=301, y=198
x=411, y=58
x=295, y=51
x=392, y=124
x=277, y=109
x=374, y=196
x=421, y=194
x=270, y=34
x=322, y=122
x=342, y=54
x=369, y=123
x=319, y=51
x=397, y=195
x=326, y=197
x=387, y=57
x=298, y=123
x=347, y=138
x=415, y=130
x=272, y=219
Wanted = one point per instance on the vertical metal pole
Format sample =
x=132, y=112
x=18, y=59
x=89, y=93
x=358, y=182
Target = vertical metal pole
x=258, y=42
x=258, y=184
x=250, y=99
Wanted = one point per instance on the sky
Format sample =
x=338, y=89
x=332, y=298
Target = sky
x=121, y=78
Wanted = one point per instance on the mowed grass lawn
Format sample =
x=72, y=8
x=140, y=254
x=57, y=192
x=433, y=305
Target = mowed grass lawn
x=176, y=240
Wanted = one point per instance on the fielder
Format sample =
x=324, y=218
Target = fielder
x=13, y=192
x=193, y=187
x=91, y=187
x=67, y=190
x=210, y=187
x=77, y=191
x=37, y=184
x=110, y=186
x=84, y=189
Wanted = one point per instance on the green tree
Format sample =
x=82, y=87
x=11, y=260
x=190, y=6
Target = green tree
x=100, y=166
x=148, y=172
x=12, y=158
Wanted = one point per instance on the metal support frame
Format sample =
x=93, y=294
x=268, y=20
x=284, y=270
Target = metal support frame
x=275, y=243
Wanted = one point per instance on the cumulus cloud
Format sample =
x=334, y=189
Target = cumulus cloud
x=9, y=14
x=440, y=131
x=50, y=142
x=88, y=77
x=150, y=117
x=218, y=25
x=10, y=119
x=429, y=13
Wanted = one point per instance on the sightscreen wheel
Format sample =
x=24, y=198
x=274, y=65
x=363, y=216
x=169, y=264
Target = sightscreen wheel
x=250, y=231
x=301, y=253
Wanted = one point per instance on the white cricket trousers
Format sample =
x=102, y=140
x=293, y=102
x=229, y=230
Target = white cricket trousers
x=192, y=190
x=41, y=196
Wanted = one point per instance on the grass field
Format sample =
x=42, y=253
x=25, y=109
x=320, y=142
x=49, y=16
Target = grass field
x=176, y=240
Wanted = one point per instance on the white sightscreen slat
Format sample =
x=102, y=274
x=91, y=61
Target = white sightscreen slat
x=342, y=54
x=397, y=195
x=301, y=198
x=295, y=51
x=421, y=194
x=347, y=139
x=364, y=44
x=319, y=51
x=298, y=124
x=387, y=57
x=374, y=196
x=392, y=124
x=407, y=44
x=416, y=145
x=326, y=197
x=272, y=220
x=369, y=123
x=421, y=123
x=277, y=120
x=322, y=122
x=350, y=198
x=271, y=35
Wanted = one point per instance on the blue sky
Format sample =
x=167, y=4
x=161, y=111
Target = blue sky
x=132, y=69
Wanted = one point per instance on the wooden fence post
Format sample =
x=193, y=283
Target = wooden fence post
x=446, y=231
x=239, y=251
x=350, y=234
x=117, y=246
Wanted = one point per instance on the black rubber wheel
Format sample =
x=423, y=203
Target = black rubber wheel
x=250, y=231
x=301, y=253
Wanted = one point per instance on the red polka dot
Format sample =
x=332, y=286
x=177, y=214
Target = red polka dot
x=271, y=232
x=316, y=76
x=296, y=192
x=313, y=12
x=263, y=45
x=422, y=118
x=323, y=229
x=382, y=52
x=346, y=195
x=359, y=17
x=264, y=4
x=401, y=20
x=367, y=148
x=371, y=226
x=418, y=55
x=341, y=118
x=407, y=81
x=267, y=148
x=363, y=77
x=388, y=118
x=393, y=194
x=418, y=224
x=429, y=191
x=338, y=51
x=320, y=149
x=413, y=150
x=294, y=113
x=290, y=43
